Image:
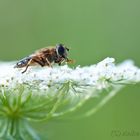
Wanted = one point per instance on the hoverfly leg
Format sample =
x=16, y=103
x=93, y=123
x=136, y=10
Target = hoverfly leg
x=39, y=61
x=27, y=66
x=49, y=64
x=25, y=69
x=61, y=61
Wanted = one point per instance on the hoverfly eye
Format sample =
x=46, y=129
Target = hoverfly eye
x=61, y=50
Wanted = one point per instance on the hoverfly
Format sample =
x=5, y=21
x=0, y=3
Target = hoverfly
x=45, y=57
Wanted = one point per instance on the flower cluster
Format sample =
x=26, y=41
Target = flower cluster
x=98, y=76
x=42, y=94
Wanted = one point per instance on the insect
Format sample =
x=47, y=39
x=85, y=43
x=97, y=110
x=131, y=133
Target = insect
x=45, y=57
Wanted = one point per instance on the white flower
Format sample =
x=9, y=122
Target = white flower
x=99, y=76
x=42, y=94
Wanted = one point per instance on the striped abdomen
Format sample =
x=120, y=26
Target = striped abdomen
x=23, y=62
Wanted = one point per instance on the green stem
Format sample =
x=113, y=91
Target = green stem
x=104, y=101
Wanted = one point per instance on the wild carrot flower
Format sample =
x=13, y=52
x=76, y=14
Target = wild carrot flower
x=42, y=94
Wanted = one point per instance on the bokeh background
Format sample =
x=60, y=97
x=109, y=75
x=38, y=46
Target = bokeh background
x=93, y=29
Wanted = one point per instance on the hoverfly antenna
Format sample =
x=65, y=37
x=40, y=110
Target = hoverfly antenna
x=67, y=48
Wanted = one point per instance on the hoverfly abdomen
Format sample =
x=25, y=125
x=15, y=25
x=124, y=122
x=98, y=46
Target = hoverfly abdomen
x=23, y=62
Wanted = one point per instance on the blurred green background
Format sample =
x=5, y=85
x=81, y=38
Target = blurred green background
x=93, y=29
